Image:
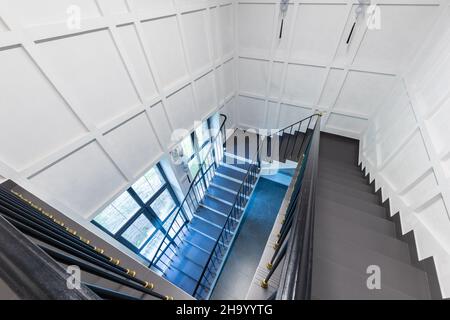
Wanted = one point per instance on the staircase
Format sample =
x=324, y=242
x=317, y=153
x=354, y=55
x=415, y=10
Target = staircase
x=352, y=232
x=204, y=230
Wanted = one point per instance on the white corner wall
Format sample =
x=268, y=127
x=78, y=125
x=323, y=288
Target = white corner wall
x=84, y=112
x=312, y=68
x=406, y=149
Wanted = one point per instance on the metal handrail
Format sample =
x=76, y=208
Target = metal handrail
x=296, y=275
x=194, y=182
x=254, y=162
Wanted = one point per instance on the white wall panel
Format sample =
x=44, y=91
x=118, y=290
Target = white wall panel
x=353, y=125
x=34, y=13
x=133, y=48
x=255, y=28
x=112, y=7
x=362, y=92
x=290, y=112
x=33, y=123
x=317, y=31
x=161, y=124
x=194, y=24
x=251, y=111
x=275, y=80
x=253, y=76
x=335, y=80
x=225, y=19
x=99, y=83
x=181, y=109
x=304, y=83
x=164, y=41
x=135, y=145
x=79, y=186
x=390, y=46
x=207, y=100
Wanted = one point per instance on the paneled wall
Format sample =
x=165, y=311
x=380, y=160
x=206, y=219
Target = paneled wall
x=88, y=105
x=406, y=149
x=281, y=80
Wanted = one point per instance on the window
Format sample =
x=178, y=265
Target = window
x=141, y=216
x=196, y=146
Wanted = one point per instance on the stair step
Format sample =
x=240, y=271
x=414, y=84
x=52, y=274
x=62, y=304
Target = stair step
x=194, y=254
x=217, y=205
x=336, y=228
x=212, y=217
x=181, y=280
x=235, y=174
x=361, y=218
x=352, y=202
x=200, y=241
x=394, y=273
x=205, y=228
x=221, y=194
x=226, y=183
x=339, y=188
x=332, y=281
x=339, y=165
x=343, y=175
x=187, y=266
x=348, y=183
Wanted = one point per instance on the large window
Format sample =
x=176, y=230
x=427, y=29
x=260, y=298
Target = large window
x=196, y=146
x=140, y=216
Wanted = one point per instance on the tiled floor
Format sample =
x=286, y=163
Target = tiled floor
x=243, y=260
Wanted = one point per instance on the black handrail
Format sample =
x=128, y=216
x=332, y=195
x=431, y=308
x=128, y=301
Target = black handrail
x=243, y=190
x=296, y=275
x=191, y=195
x=50, y=233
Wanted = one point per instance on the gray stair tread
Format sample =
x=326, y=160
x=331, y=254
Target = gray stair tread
x=206, y=228
x=222, y=194
x=344, y=175
x=340, y=188
x=332, y=281
x=217, y=205
x=349, y=183
x=342, y=166
x=235, y=174
x=352, y=202
x=226, y=183
x=394, y=273
x=213, y=217
x=362, y=218
x=337, y=228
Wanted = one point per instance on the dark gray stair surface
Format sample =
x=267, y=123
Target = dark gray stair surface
x=226, y=183
x=217, y=205
x=352, y=232
x=235, y=174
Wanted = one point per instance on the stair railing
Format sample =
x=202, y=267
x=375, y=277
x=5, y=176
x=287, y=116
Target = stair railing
x=212, y=267
x=295, y=243
x=176, y=231
x=53, y=242
x=224, y=241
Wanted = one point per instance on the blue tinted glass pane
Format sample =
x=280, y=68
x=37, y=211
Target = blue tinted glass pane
x=188, y=148
x=114, y=216
x=202, y=133
x=163, y=205
x=150, y=248
x=139, y=231
x=147, y=186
